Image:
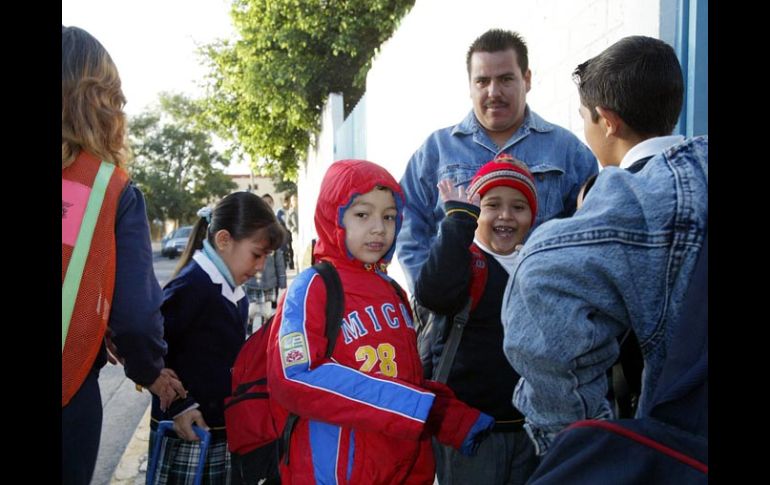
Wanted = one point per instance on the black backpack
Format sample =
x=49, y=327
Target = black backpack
x=669, y=445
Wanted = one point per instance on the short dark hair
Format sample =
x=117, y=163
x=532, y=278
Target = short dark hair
x=496, y=40
x=637, y=77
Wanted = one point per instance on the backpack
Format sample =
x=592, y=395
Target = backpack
x=624, y=378
x=430, y=325
x=253, y=421
x=258, y=429
x=667, y=445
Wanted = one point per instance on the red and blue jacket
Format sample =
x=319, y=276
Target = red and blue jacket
x=366, y=415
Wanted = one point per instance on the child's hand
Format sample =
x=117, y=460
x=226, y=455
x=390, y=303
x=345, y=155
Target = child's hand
x=448, y=192
x=184, y=422
x=475, y=200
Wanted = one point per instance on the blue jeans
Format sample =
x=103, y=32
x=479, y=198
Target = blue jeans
x=504, y=458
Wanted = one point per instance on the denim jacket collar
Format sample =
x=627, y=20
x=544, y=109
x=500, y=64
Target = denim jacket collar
x=471, y=126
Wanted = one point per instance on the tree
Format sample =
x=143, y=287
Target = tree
x=174, y=163
x=284, y=186
x=268, y=87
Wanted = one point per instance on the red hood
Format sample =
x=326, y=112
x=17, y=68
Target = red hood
x=343, y=181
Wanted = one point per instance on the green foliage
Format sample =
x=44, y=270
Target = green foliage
x=287, y=187
x=174, y=163
x=267, y=89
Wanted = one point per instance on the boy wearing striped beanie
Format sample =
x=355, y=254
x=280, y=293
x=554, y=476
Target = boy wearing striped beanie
x=506, y=190
x=471, y=257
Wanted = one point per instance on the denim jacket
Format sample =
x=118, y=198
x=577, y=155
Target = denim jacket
x=623, y=261
x=559, y=161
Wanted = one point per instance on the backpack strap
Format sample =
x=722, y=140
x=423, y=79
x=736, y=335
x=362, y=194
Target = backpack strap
x=71, y=284
x=399, y=291
x=441, y=373
x=625, y=383
x=479, y=273
x=335, y=305
x=283, y=441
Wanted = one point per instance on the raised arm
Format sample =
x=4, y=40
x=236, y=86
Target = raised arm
x=445, y=277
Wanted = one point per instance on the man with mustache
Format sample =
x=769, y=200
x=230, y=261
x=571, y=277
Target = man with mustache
x=500, y=123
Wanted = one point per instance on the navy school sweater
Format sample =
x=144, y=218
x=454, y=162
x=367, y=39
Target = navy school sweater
x=481, y=375
x=204, y=330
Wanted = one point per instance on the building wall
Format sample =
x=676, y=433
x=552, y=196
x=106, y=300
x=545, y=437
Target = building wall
x=257, y=185
x=418, y=81
x=320, y=155
x=244, y=181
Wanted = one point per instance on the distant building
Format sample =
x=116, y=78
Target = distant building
x=257, y=185
x=246, y=182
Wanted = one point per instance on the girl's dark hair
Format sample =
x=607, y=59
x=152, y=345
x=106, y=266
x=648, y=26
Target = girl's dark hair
x=243, y=215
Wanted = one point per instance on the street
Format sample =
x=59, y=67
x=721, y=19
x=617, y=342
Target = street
x=122, y=405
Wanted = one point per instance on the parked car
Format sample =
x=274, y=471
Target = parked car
x=174, y=243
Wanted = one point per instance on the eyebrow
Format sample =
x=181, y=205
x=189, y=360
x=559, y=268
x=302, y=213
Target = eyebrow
x=370, y=206
x=507, y=73
x=360, y=202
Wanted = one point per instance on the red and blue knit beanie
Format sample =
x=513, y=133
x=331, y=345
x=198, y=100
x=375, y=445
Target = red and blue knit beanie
x=508, y=172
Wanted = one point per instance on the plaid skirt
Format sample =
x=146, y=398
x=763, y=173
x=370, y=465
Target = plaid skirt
x=178, y=459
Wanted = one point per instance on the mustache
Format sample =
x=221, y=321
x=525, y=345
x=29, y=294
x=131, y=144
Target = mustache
x=496, y=103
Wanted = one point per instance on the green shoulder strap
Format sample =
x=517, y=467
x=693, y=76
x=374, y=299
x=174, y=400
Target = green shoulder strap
x=71, y=285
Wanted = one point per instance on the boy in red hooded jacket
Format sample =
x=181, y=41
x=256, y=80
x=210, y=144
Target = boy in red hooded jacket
x=366, y=415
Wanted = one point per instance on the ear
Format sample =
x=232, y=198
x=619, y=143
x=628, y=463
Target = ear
x=610, y=120
x=528, y=79
x=222, y=239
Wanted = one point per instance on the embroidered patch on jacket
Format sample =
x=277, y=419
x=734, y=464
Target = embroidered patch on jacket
x=293, y=349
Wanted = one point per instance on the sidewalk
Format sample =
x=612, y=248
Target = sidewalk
x=132, y=468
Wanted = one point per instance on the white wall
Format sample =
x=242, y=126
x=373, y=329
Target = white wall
x=320, y=156
x=418, y=81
